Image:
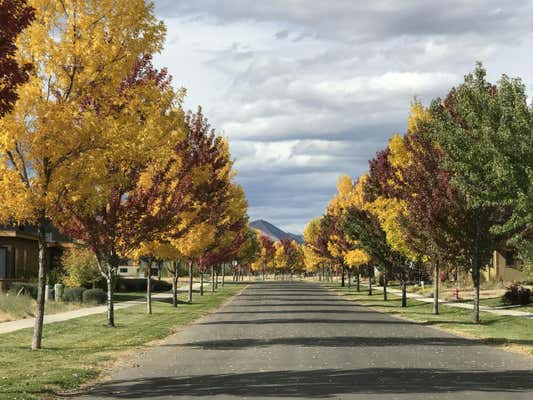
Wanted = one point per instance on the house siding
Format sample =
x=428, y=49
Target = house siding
x=21, y=258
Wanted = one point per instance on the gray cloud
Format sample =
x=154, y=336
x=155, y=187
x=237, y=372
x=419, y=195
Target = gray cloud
x=367, y=20
x=307, y=90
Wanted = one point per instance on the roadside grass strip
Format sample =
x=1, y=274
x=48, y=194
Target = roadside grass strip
x=513, y=333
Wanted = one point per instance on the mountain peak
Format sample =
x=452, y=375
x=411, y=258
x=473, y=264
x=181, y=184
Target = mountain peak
x=273, y=232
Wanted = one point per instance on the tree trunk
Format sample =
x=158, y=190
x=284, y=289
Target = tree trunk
x=349, y=278
x=342, y=275
x=404, y=293
x=201, y=283
x=39, y=316
x=436, y=289
x=384, y=285
x=476, y=282
x=189, y=297
x=110, y=305
x=212, y=278
x=370, y=281
x=358, y=280
x=223, y=272
x=149, y=289
x=175, y=284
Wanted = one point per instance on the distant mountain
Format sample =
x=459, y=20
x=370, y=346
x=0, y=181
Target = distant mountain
x=273, y=232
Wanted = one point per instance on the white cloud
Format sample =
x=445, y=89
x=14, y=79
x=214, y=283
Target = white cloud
x=306, y=91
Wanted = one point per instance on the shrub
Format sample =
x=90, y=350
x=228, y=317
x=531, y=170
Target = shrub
x=74, y=295
x=139, y=285
x=517, y=294
x=27, y=289
x=80, y=268
x=161, y=286
x=94, y=296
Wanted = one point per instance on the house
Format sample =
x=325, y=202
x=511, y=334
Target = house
x=19, y=253
x=129, y=271
x=503, y=268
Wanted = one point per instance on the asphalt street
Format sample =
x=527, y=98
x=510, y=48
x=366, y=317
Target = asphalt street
x=296, y=340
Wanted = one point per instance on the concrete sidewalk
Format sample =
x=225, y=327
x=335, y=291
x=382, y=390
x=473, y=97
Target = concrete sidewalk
x=12, y=326
x=467, y=306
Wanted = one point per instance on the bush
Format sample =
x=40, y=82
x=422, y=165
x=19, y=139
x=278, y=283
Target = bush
x=517, y=295
x=74, y=295
x=139, y=285
x=80, y=268
x=27, y=289
x=161, y=286
x=94, y=296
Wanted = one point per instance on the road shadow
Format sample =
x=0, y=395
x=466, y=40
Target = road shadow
x=331, y=299
x=264, y=321
x=323, y=383
x=330, y=304
x=335, y=342
x=313, y=311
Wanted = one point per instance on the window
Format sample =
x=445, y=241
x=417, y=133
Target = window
x=3, y=263
x=123, y=270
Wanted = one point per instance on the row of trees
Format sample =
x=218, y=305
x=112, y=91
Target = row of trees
x=94, y=139
x=282, y=258
x=455, y=187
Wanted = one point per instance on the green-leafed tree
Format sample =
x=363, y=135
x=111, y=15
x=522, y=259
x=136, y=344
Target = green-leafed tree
x=485, y=133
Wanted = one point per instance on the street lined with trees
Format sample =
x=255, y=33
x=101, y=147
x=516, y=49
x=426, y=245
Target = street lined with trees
x=449, y=192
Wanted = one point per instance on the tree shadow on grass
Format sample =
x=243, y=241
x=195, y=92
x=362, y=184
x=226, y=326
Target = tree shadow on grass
x=323, y=383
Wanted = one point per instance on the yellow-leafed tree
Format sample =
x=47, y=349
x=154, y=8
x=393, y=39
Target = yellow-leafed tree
x=80, y=51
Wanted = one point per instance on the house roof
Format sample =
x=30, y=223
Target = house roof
x=29, y=232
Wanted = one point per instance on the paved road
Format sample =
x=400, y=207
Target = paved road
x=291, y=340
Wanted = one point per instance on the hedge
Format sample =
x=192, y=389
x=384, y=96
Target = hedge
x=139, y=285
x=94, y=296
x=74, y=294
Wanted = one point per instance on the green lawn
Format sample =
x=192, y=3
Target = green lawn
x=498, y=302
x=494, y=329
x=78, y=350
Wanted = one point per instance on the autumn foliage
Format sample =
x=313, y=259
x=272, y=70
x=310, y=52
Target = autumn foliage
x=446, y=194
x=95, y=139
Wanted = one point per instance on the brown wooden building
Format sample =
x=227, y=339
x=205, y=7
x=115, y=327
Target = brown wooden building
x=19, y=252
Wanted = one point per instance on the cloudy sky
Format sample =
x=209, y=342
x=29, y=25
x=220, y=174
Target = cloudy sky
x=307, y=90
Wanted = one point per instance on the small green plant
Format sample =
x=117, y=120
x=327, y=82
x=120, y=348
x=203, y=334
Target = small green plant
x=74, y=295
x=94, y=296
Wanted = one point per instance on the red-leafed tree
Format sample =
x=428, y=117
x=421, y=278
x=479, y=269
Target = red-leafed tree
x=434, y=217
x=15, y=16
x=138, y=188
x=212, y=191
x=268, y=252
